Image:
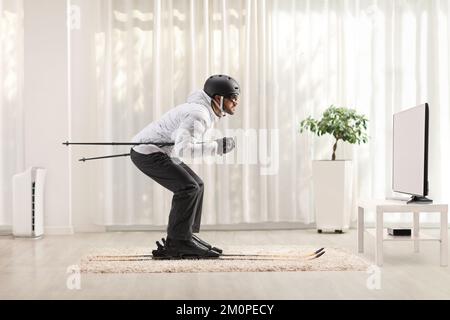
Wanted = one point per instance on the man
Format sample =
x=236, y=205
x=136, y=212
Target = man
x=185, y=126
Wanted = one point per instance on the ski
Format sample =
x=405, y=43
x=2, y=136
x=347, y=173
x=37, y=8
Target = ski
x=272, y=255
x=206, y=258
x=254, y=257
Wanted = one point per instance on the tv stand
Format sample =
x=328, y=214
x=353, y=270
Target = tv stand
x=419, y=199
x=381, y=207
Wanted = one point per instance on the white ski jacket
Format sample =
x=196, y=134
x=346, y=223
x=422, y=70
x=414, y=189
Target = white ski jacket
x=184, y=125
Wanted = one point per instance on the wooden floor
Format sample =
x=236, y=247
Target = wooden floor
x=37, y=269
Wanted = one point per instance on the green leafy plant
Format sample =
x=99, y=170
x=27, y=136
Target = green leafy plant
x=342, y=123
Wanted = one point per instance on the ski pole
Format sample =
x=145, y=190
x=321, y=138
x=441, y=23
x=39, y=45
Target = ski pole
x=104, y=157
x=162, y=144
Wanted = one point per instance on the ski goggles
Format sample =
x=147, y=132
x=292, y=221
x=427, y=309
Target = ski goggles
x=233, y=97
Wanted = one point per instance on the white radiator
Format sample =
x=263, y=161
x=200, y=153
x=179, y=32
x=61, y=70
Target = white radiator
x=28, y=203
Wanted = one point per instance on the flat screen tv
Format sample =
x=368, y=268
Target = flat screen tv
x=410, y=153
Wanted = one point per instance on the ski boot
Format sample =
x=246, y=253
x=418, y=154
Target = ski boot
x=182, y=249
x=188, y=249
x=206, y=244
x=160, y=252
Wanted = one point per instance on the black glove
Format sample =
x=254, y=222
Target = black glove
x=225, y=145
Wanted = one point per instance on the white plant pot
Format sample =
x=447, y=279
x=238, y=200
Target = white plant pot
x=332, y=186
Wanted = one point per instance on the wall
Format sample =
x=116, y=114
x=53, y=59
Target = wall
x=83, y=116
x=46, y=93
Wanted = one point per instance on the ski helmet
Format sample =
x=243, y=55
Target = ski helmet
x=221, y=85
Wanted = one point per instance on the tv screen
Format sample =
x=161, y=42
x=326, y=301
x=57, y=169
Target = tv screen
x=410, y=152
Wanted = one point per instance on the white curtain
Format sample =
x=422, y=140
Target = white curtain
x=11, y=107
x=293, y=58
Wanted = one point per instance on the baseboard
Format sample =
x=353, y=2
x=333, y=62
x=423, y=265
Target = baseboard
x=221, y=227
x=58, y=230
x=131, y=228
x=89, y=228
x=260, y=226
x=5, y=230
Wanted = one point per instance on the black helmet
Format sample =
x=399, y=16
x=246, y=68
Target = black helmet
x=221, y=85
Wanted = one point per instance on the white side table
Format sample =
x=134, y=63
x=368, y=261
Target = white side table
x=381, y=206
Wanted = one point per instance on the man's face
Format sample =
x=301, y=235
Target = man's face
x=229, y=103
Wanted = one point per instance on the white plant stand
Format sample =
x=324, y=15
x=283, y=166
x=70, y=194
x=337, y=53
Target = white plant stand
x=393, y=206
x=332, y=194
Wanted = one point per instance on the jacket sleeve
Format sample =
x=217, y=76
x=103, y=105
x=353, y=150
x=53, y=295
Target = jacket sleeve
x=189, y=138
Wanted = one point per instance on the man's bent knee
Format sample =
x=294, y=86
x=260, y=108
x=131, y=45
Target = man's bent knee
x=190, y=188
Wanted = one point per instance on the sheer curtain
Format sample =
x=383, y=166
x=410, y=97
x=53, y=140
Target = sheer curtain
x=150, y=56
x=11, y=107
x=293, y=58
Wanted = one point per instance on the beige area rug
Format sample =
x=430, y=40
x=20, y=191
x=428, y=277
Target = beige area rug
x=276, y=259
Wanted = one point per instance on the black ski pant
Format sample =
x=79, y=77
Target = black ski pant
x=186, y=212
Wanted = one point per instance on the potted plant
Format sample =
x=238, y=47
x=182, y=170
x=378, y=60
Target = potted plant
x=332, y=179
